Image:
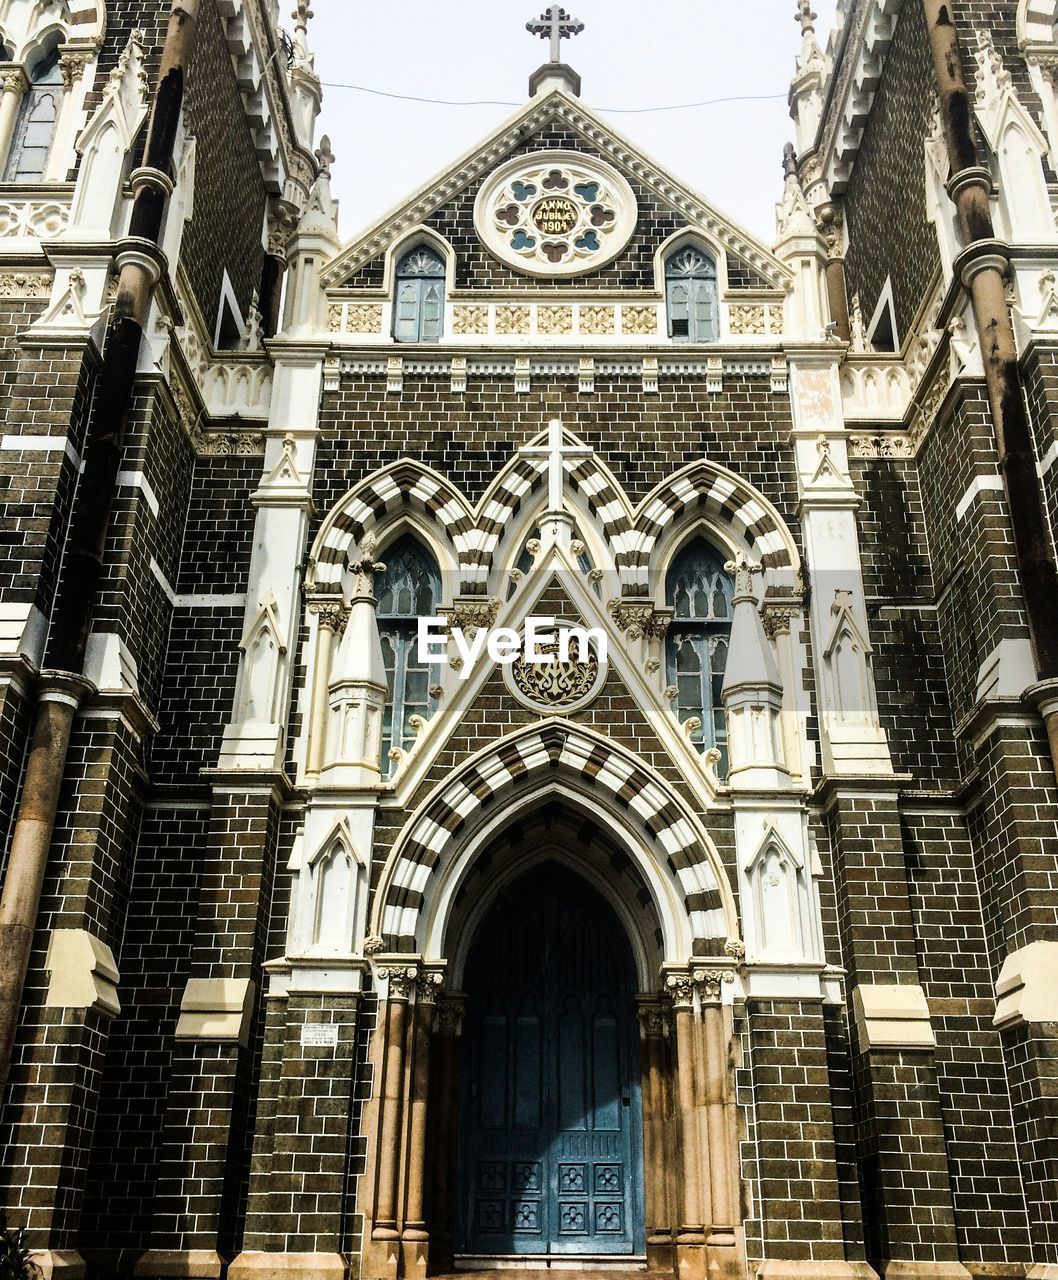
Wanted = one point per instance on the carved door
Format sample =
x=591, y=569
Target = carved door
x=550, y=1160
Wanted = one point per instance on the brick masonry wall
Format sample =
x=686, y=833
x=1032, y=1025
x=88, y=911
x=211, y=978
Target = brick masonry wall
x=476, y=268
x=890, y=174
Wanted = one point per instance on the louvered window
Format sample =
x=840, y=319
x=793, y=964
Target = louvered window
x=691, y=296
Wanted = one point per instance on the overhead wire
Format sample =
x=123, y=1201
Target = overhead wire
x=496, y=102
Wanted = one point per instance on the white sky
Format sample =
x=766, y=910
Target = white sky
x=630, y=55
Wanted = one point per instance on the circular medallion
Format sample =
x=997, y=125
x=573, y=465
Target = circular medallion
x=556, y=213
x=559, y=684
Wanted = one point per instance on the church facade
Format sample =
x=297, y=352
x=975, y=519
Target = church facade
x=529, y=735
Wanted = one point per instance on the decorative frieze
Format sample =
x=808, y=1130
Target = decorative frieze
x=553, y=321
x=23, y=284
x=512, y=320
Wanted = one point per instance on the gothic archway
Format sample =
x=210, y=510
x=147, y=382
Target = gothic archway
x=550, y=1150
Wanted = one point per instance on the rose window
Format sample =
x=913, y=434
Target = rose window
x=555, y=214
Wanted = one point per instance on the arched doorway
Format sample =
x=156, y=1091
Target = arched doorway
x=550, y=1152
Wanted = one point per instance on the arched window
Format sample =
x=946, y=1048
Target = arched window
x=409, y=589
x=419, y=307
x=35, y=128
x=699, y=590
x=690, y=295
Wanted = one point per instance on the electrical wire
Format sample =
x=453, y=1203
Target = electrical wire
x=494, y=102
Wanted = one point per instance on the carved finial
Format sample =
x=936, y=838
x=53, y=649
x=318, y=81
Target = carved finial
x=556, y=25
x=744, y=570
x=325, y=156
x=789, y=161
x=806, y=17
x=302, y=16
x=365, y=566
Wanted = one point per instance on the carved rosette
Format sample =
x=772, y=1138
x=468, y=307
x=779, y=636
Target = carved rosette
x=373, y=944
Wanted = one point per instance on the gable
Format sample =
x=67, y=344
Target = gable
x=559, y=123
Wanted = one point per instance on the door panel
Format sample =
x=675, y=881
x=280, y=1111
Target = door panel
x=550, y=1156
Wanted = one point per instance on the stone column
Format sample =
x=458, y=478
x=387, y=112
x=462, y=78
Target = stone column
x=15, y=83
x=830, y=227
x=690, y=1259
x=399, y=979
x=444, y=1130
x=653, y=1024
x=722, y=1215
x=415, y=1234
x=331, y=619
x=72, y=64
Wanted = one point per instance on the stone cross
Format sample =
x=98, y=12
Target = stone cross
x=805, y=16
x=556, y=453
x=556, y=25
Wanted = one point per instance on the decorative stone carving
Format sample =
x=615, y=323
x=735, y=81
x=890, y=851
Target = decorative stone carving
x=554, y=320
x=470, y=614
x=641, y=321
x=776, y=619
x=557, y=685
x=893, y=445
x=639, y=618
x=512, y=320
x=597, y=321
x=747, y=320
x=363, y=317
x=400, y=979
x=331, y=615
x=776, y=319
x=470, y=320
x=373, y=944
x=20, y=284
x=555, y=213
x=429, y=985
x=335, y=321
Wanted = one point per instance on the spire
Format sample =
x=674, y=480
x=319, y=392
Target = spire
x=554, y=25
x=752, y=691
x=305, y=91
x=811, y=71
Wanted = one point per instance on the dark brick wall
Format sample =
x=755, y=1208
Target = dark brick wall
x=476, y=268
x=890, y=175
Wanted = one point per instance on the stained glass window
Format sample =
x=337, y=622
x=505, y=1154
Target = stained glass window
x=35, y=129
x=409, y=588
x=690, y=295
x=699, y=590
x=419, y=298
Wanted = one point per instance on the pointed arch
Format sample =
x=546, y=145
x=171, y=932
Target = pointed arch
x=406, y=485
x=691, y=889
x=729, y=500
x=1037, y=22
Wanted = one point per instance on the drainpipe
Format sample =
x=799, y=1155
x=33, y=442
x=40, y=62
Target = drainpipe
x=139, y=263
x=982, y=265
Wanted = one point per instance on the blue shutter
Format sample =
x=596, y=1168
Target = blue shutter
x=690, y=295
x=35, y=129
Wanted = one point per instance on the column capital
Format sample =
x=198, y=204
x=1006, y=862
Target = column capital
x=400, y=979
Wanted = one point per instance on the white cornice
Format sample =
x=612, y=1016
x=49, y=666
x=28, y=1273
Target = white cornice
x=859, y=59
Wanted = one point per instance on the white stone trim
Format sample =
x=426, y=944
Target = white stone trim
x=978, y=485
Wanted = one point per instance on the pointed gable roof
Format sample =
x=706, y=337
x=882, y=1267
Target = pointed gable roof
x=557, y=107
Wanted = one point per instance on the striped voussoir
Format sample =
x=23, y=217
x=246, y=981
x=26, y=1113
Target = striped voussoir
x=431, y=836
x=708, y=488
x=1040, y=19
x=409, y=484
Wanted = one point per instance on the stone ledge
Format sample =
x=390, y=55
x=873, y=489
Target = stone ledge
x=58, y=1264
x=180, y=1264
x=83, y=974
x=216, y=1009
x=778, y=1269
x=901, y=1270
x=259, y=1265
x=892, y=1016
x=1027, y=990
